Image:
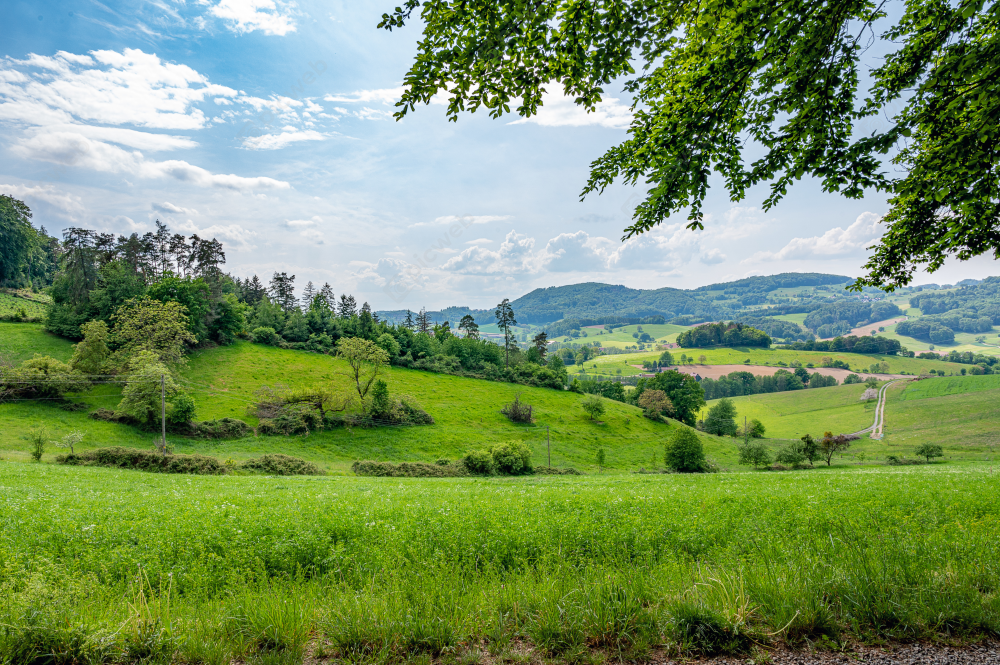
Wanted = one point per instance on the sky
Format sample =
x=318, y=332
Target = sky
x=268, y=125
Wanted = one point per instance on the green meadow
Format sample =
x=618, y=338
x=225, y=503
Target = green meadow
x=118, y=566
x=11, y=305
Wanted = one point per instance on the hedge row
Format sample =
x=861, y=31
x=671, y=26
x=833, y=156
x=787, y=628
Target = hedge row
x=156, y=462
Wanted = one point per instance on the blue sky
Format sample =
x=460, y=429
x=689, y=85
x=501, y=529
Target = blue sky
x=267, y=124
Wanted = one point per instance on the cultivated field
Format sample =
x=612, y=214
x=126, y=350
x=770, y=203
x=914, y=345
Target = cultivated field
x=117, y=565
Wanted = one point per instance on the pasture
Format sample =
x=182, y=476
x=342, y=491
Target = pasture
x=117, y=565
x=467, y=416
x=12, y=305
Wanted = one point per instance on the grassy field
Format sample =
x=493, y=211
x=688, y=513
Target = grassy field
x=790, y=415
x=622, y=337
x=260, y=570
x=11, y=304
x=21, y=341
x=794, y=318
x=466, y=411
x=897, y=364
x=962, y=414
x=963, y=342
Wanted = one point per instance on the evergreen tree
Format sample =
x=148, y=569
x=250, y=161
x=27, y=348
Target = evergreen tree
x=282, y=291
x=253, y=290
x=469, y=325
x=348, y=307
x=423, y=321
x=408, y=321
x=308, y=294
x=541, y=342
x=329, y=298
x=504, y=314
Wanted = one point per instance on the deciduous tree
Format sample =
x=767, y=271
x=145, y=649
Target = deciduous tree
x=757, y=92
x=366, y=359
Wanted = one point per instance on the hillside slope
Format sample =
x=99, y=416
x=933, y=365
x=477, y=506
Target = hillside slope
x=466, y=411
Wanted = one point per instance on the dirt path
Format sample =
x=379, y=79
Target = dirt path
x=878, y=425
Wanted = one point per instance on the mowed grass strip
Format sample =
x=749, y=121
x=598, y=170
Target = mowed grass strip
x=21, y=341
x=406, y=567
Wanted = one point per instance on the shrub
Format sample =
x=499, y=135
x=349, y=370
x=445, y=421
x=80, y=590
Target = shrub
x=684, y=453
x=756, y=429
x=409, y=470
x=181, y=410
x=755, y=454
x=512, y=458
x=265, y=335
x=792, y=455
x=145, y=460
x=110, y=416
x=517, y=411
x=37, y=440
x=479, y=462
x=554, y=471
x=281, y=465
x=223, y=428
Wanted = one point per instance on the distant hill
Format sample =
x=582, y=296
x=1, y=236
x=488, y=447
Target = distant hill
x=603, y=302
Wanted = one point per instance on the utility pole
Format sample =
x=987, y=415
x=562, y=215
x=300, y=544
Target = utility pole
x=548, y=444
x=746, y=434
x=163, y=413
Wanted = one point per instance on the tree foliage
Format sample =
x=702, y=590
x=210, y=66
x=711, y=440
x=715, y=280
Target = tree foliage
x=721, y=418
x=723, y=334
x=684, y=452
x=784, y=76
x=367, y=361
x=147, y=324
x=684, y=392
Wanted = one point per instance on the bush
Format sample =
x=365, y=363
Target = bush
x=409, y=470
x=265, y=335
x=281, y=465
x=684, y=453
x=512, y=458
x=37, y=439
x=107, y=415
x=721, y=418
x=517, y=411
x=479, y=462
x=145, y=460
x=792, y=455
x=756, y=429
x=223, y=428
x=755, y=454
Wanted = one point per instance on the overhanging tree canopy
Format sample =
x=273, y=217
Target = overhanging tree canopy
x=784, y=74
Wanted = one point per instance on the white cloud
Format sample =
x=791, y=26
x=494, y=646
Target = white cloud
x=666, y=246
x=558, y=110
x=834, y=243
x=239, y=238
x=72, y=149
x=285, y=138
x=513, y=257
x=168, y=208
x=388, y=96
x=464, y=220
x=110, y=88
x=479, y=241
x=576, y=252
x=712, y=257
x=64, y=203
x=302, y=223
x=306, y=228
x=245, y=16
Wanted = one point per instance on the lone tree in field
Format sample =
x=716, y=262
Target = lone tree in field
x=593, y=405
x=721, y=419
x=684, y=452
x=504, y=314
x=830, y=444
x=755, y=454
x=756, y=92
x=367, y=361
x=601, y=459
x=929, y=450
x=810, y=448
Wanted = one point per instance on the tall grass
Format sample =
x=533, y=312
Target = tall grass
x=264, y=569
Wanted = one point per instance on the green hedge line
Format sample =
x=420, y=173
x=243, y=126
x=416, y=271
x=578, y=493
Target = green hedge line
x=156, y=462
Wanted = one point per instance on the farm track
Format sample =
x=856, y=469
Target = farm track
x=878, y=425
